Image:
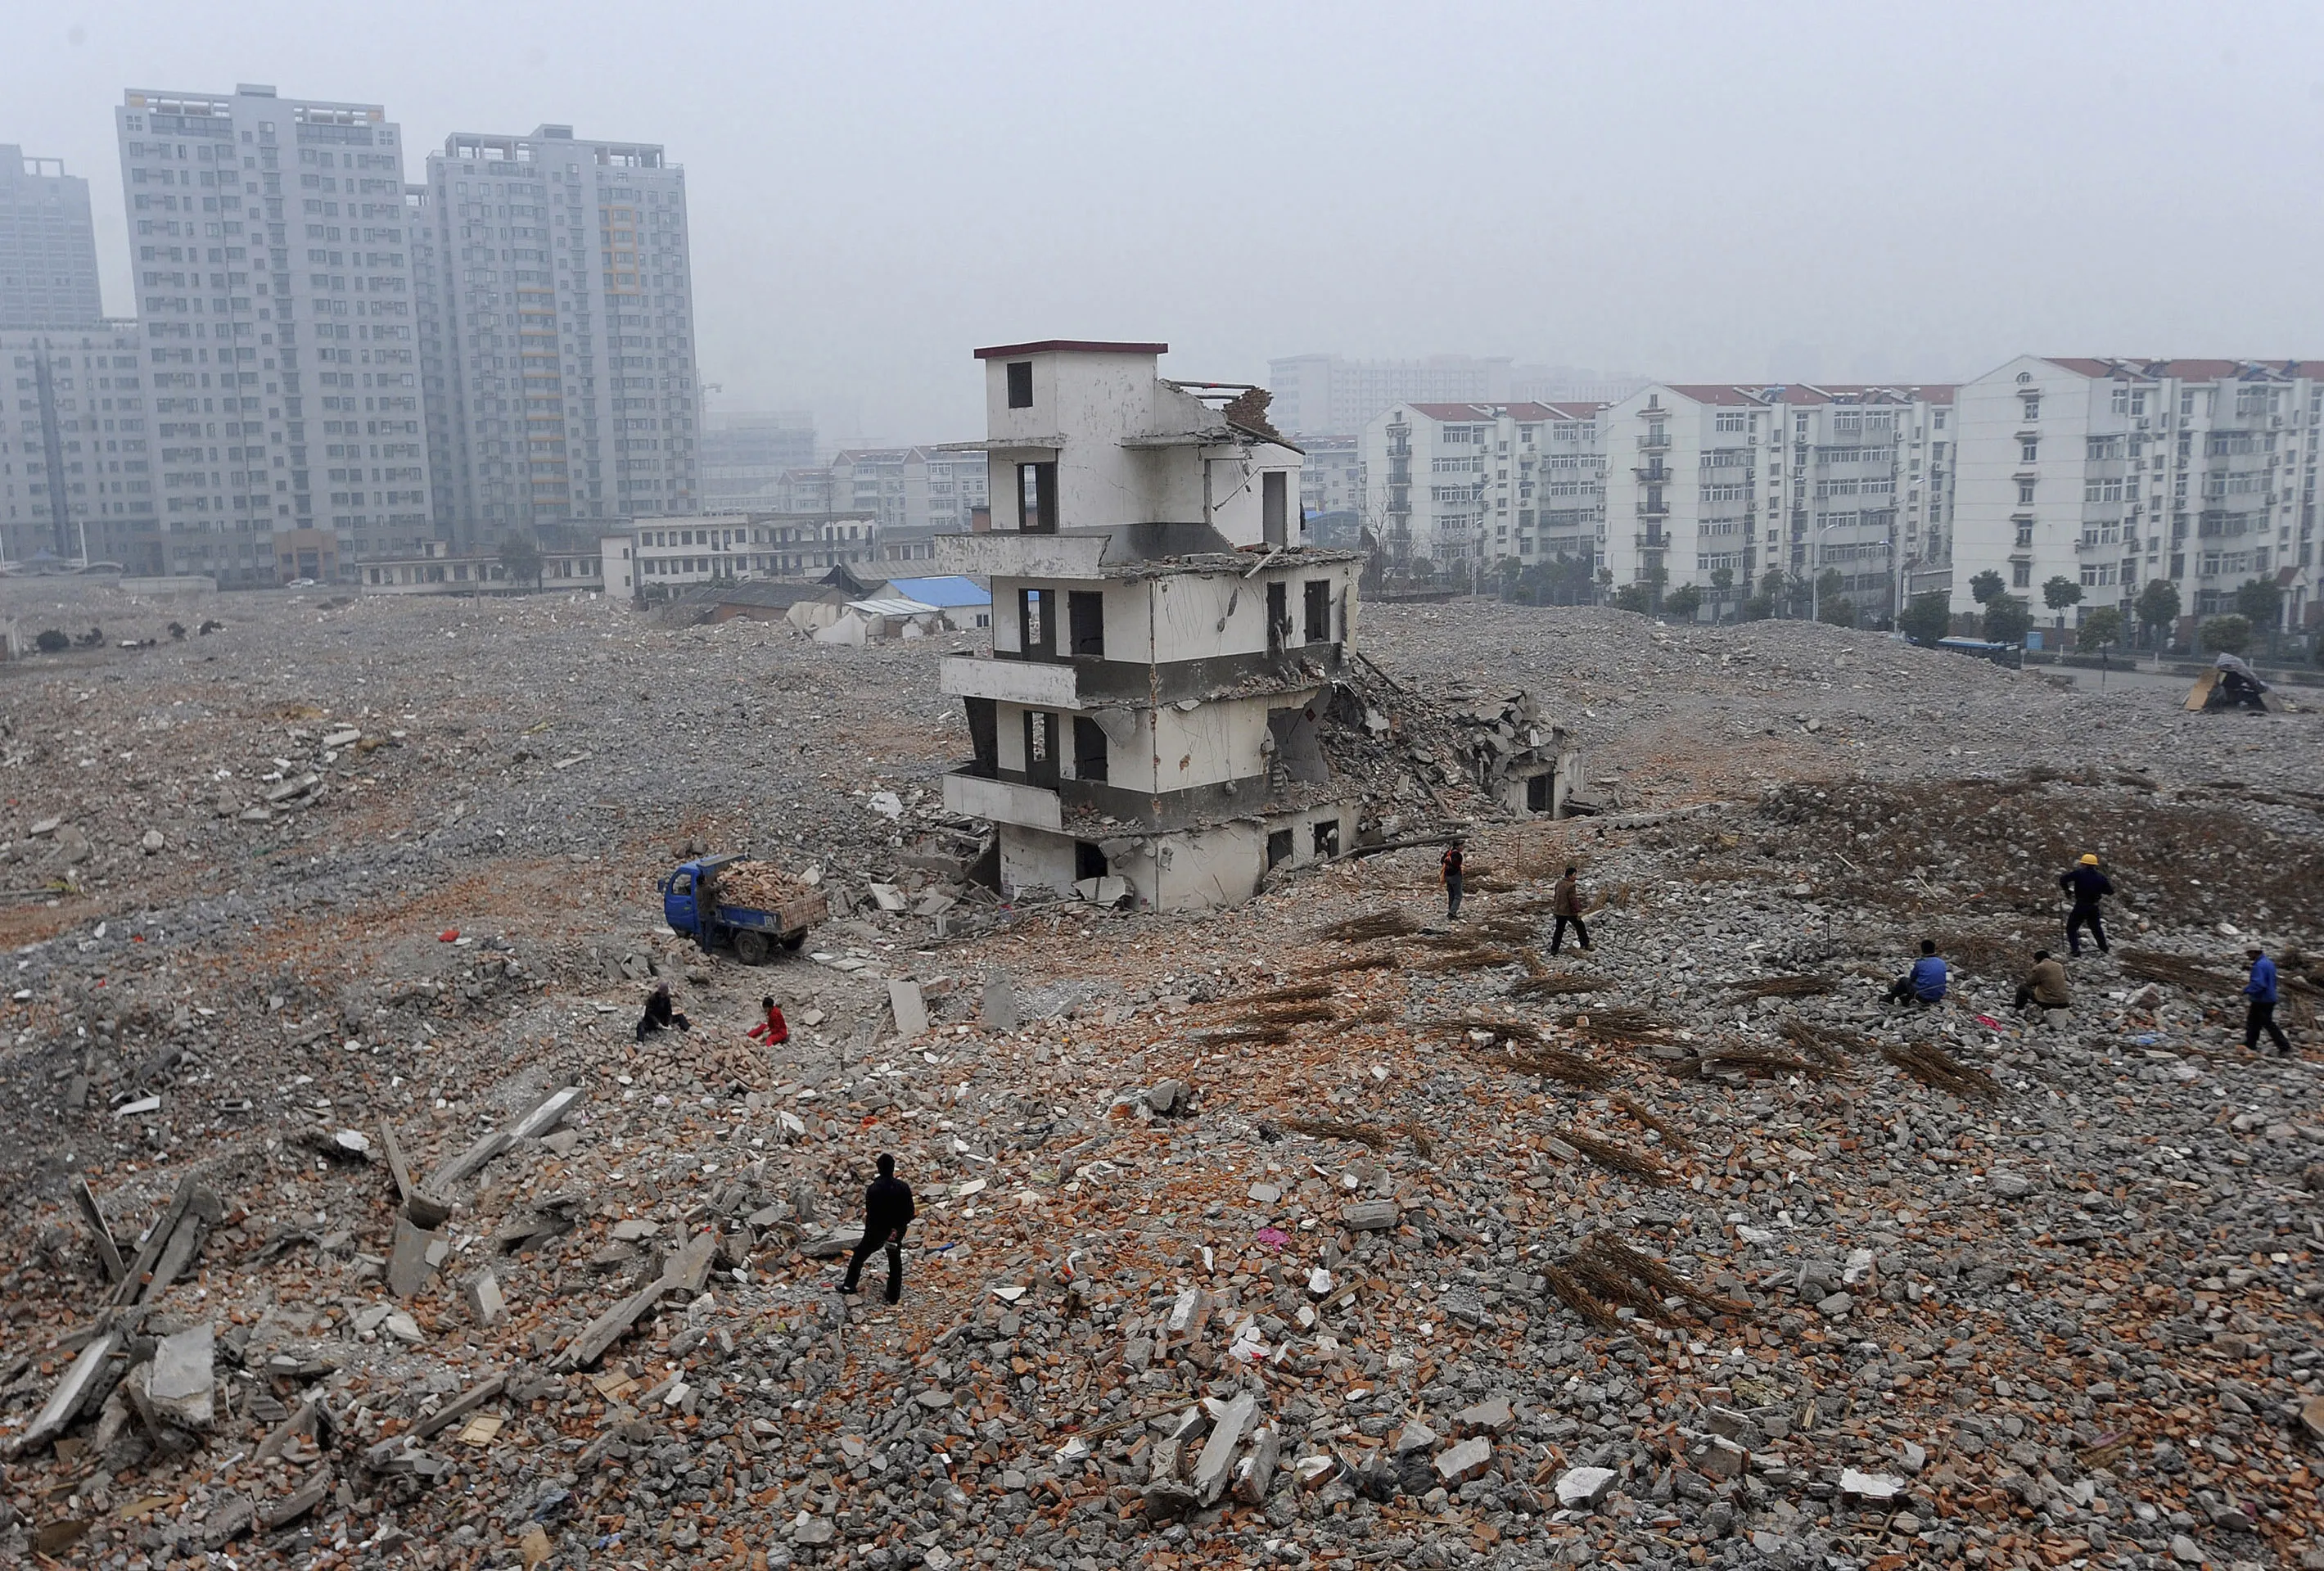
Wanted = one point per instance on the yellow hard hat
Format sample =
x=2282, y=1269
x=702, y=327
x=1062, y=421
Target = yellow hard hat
x=2090, y=859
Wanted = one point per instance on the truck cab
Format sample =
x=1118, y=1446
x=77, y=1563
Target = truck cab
x=689, y=901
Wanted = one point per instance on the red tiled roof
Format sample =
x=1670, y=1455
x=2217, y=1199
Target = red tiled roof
x=1762, y=394
x=1069, y=347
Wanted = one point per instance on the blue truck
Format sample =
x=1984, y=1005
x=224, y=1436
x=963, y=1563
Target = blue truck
x=749, y=906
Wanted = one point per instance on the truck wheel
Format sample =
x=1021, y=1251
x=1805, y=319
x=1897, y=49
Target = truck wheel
x=750, y=948
x=795, y=940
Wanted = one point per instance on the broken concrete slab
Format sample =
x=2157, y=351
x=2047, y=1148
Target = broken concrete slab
x=183, y=1378
x=411, y=1262
x=1414, y=1437
x=1581, y=1488
x=282, y=1512
x=72, y=1390
x=1465, y=1461
x=1492, y=1416
x=997, y=1010
x=908, y=1008
x=481, y=1294
x=1168, y=1501
x=831, y=1245
x=1254, y=1475
x=1371, y=1215
x=684, y=1271
x=459, y=1408
x=1212, y=1469
x=1188, y=1314
x=551, y=1113
x=108, y=1253
x=1871, y=1486
x=1169, y=1462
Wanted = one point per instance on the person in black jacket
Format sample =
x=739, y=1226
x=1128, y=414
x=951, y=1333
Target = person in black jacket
x=886, y=1212
x=2088, y=885
x=660, y=1015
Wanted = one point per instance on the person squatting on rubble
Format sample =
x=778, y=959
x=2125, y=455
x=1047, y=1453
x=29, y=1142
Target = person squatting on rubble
x=2241, y=684
x=2045, y=984
x=1925, y=983
x=886, y=1212
x=774, y=1030
x=2088, y=886
x=1565, y=906
x=2260, y=1015
x=660, y=1016
x=1448, y=867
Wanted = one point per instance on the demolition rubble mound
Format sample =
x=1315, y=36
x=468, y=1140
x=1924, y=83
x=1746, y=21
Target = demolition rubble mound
x=358, y=1222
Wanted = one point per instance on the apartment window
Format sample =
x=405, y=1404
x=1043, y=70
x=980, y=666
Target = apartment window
x=2021, y=575
x=1089, y=749
x=1728, y=420
x=2025, y=494
x=2028, y=451
x=1278, y=848
x=1035, y=633
x=1037, y=498
x=1274, y=506
x=1041, y=748
x=1937, y=419
x=1085, y=614
x=2033, y=406
x=1317, y=603
x=1021, y=384
x=1278, y=617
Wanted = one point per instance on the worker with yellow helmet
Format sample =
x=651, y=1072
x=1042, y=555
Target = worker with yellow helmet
x=2088, y=885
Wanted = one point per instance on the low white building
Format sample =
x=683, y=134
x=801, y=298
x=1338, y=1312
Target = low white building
x=1147, y=720
x=1451, y=490
x=2114, y=473
x=1713, y=484
x=676, y=553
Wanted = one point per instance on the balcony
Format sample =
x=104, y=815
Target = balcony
x=1655, y=441
x=1002, y=801
x=1652, y=541
x=1653, y=507
x=1655, y=474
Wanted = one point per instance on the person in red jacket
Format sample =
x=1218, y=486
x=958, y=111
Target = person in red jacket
x=773, y=1030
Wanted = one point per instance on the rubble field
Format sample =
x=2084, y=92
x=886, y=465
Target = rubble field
x=351, y=1223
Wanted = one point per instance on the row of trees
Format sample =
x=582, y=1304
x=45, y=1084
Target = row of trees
x=2008, y=618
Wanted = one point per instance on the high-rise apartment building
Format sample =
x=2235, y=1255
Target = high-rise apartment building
x=1451, y=489
x=272, y=267
x=1708, y=483
x=48, y=247
x=744, y=454
x=76, y=464
x=561, y=333
x=2114, y=473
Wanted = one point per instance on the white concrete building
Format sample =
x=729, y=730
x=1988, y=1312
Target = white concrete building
x=1317, y=394
x=48, y=246
x=1161, y=637
x=2116, y=473
x=1332, y=479
x=563, y=371
x=680, y=551
x=1453, y=489
x=1708, y=481
x=274, y=272
x=75, y=458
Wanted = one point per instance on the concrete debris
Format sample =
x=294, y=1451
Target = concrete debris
x=1456, y=1334
x=906, y=1007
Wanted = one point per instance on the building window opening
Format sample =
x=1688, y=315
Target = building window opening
x=1089, y=749
x=1326, y=833
x=1278, y=617
x=1037, y=498
x=1278, y=848
x=1041, y=748
x=1274, y=506
x=1537, y=794
x=1316, y=604
x=1034, y=634
x=1089, y=861
x=1021, y=384
x=1086, y=612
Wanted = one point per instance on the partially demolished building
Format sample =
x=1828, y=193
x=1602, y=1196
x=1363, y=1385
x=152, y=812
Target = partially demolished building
x=1155, y=716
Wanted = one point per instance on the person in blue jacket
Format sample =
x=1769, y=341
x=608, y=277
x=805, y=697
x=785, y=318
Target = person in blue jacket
x=2088, y=886
x=2260, y=1016
x=1925, y=983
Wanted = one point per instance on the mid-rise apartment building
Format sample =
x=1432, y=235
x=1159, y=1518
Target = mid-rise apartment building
x=273, y=270
x=1332, y=477
x=76, y=454
x=1452, y=489
x=1147, y=722
x=915, y=493
x=680, y=550
x=48, y=245
x=1712, y=485
x=561, y=333
x=2114, y=473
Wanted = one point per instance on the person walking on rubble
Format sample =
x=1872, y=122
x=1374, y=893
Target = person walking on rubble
x=2260, y=1014
x=1565, y=906
x=1925, y=983
x=886, y=1212
x=1449, y=867
x=660, y=1015
x=2045, y=984
x=2088, y=886
x=774, y=1030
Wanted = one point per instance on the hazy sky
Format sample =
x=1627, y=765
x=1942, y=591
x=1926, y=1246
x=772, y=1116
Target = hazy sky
x=1691, y=193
